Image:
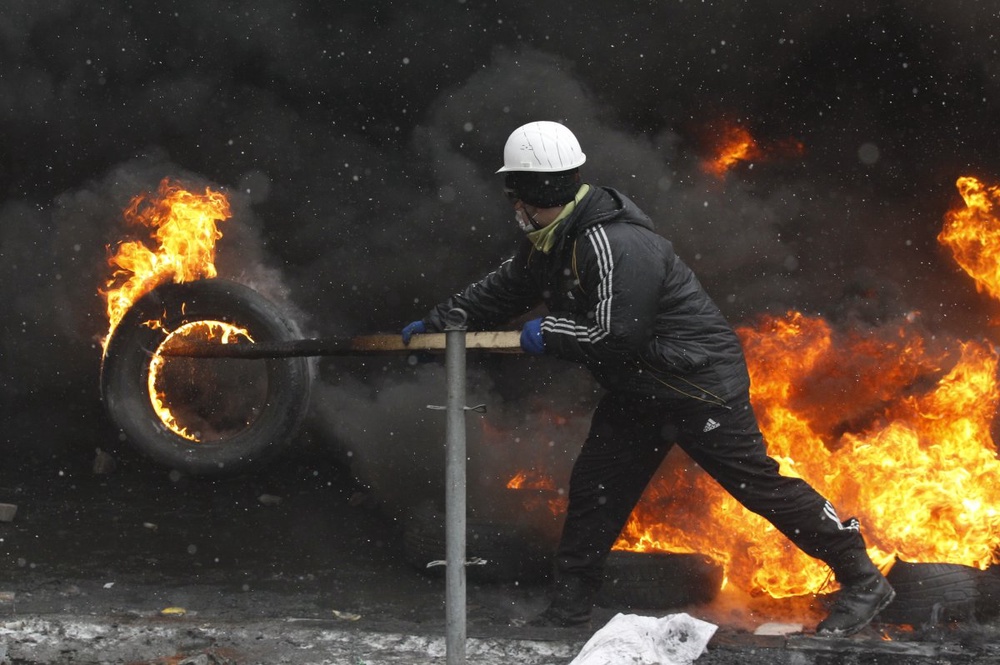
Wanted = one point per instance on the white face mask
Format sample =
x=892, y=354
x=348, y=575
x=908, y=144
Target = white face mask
x=522, y=221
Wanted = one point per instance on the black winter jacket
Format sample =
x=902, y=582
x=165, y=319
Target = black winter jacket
x=620, y=301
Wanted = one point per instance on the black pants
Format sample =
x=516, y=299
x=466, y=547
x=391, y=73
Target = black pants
x=628, y=439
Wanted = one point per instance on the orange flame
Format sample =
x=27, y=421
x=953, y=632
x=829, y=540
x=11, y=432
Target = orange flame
x=973, y=234
x=917, y=470
x=735, y=144
x=207, y=330
x=184, y=227
x=533, y=480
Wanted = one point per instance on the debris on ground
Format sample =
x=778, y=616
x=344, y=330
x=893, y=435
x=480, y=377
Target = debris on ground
x=675, y=639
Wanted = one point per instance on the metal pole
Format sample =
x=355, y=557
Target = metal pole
x=455, y=518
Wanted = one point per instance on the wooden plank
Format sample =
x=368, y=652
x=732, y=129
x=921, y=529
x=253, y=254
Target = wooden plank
x=491, y=341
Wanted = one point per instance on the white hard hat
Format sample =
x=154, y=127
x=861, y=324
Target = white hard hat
x=544, y=147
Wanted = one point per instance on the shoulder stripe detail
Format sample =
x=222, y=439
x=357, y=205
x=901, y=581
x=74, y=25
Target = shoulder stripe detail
x=599, y=240
x=602, y=314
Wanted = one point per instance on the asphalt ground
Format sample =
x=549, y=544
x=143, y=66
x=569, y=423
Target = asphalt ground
x=300, y=565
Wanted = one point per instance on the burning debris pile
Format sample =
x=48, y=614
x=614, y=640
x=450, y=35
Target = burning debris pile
x=893, y=423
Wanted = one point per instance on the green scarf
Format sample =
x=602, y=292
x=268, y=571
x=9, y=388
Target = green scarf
x=544, y=239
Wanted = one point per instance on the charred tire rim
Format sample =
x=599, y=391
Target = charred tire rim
x=511, y=554
x=125, y=374
x=658, y=580
x=935, y=593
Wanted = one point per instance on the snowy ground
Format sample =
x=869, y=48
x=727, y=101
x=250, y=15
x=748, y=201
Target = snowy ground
x=297, y=566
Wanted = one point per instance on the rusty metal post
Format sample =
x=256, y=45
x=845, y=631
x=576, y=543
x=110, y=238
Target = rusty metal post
x=455, y=489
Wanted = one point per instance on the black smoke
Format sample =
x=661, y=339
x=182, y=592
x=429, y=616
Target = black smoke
x=358, y=142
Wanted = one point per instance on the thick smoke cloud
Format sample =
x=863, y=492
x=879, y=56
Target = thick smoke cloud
x=358, y=142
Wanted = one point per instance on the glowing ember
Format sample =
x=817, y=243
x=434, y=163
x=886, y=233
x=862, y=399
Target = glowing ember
x=183, y=225
x=531, y=480
x=973, y=234
x=541, y=489
x=735, y=144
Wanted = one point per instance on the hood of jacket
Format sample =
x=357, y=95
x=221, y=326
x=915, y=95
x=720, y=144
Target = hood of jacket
x=601, y=205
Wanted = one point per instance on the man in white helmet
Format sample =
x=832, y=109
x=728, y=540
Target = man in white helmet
x=623, y=304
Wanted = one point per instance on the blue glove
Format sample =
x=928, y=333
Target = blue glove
x=415, y=328
x=531, y=338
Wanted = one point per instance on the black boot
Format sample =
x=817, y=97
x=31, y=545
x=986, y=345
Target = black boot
x=572, y=603
x=863, y=594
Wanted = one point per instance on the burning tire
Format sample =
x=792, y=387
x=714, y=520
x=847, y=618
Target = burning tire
x=935, y=593
x=223, y=416
x=658, y=580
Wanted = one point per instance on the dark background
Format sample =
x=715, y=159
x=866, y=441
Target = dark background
x=358, y=143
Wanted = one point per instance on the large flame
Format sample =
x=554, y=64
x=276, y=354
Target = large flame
x=918, y=468
x=890, y=430
x=183, y=230
x=183, y=226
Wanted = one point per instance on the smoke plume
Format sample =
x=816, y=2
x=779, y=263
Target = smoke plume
x=359, y=142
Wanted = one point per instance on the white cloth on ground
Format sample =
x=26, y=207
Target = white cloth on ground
x=630, y=639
